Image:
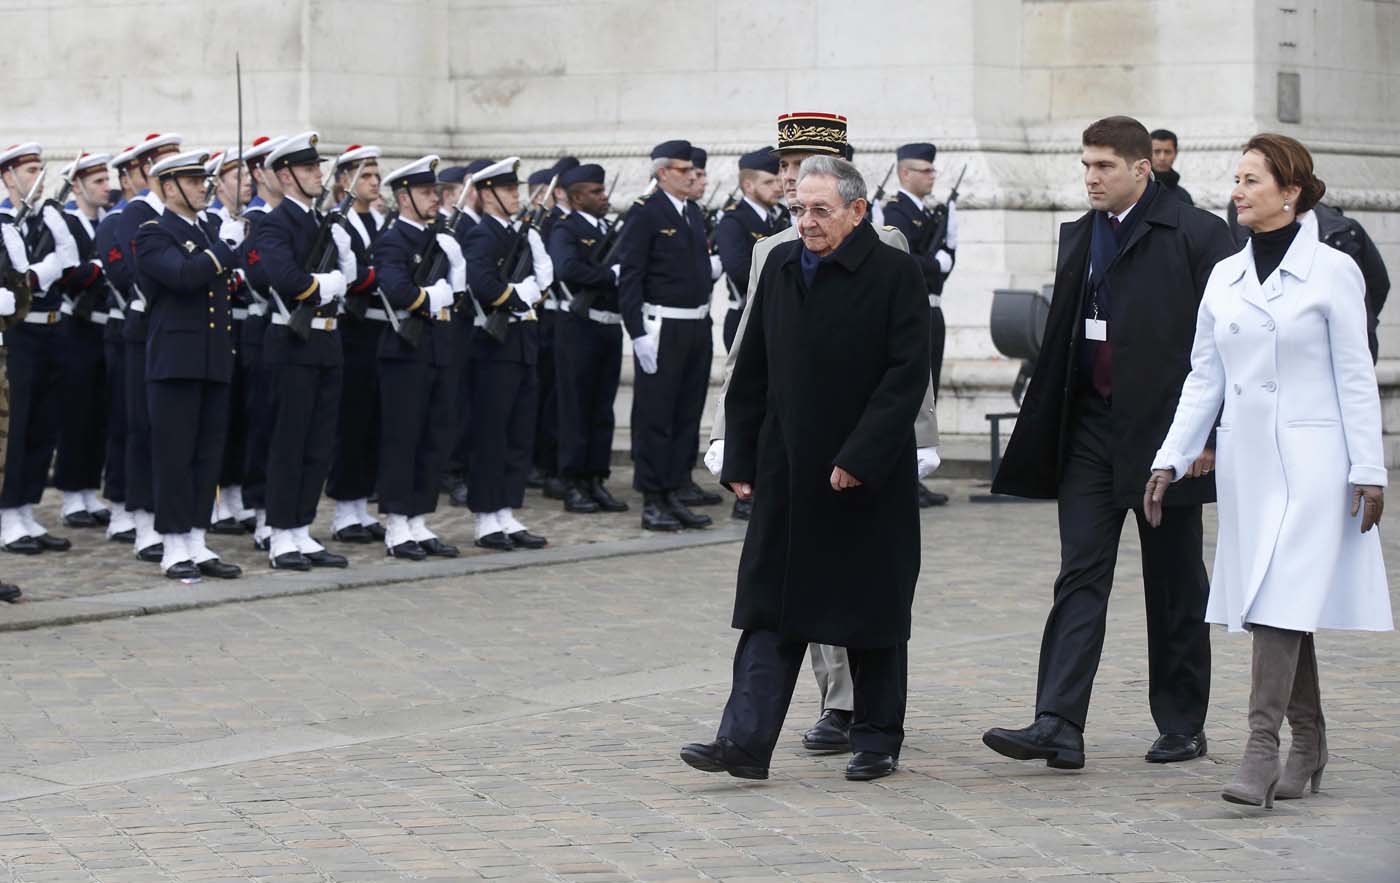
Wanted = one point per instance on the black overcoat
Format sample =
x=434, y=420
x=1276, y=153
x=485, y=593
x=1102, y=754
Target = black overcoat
x=1157, y=284
x=836, y=378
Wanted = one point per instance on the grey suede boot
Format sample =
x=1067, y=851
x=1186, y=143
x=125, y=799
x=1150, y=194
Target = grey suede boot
x=1275, y=661
x=1307, y=756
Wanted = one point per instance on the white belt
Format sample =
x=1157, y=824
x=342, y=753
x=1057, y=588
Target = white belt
x=316, y=324
x=43, y=318
x=98, y=318
x=66, y=309
x=116, y=315
x=480, y=321
x=239, y=313
x=376, y=314
x=935, y=300
x=137, y=305
x=604, y=317
x=659, y=312
x=257, y=309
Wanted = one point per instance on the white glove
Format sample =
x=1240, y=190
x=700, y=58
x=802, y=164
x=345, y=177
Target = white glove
x=716, y=268
x=14, y=244
x=539, y=256
x=63, y=243
x=439, y=295
x=617, y=273
x=529, y=291
x=645, y=349
x=944, y=261
x=951, y=237
x=7, y=302
x=349, y=267
x=928, y=461
x=714, y=457
x=456, y=263
x=47, y=271
x=231, y=232
x=332, y=285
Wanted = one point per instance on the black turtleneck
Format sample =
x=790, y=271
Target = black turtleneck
x=1270, y=247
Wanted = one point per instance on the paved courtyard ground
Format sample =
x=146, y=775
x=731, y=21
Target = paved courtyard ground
x=523, y=723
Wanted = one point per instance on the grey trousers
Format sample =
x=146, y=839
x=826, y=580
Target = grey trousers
x=833, y=670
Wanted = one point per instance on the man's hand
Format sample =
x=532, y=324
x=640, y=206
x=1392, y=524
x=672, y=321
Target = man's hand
x=841, y=479
x=1157, y=485
x=742, y=489
x=1204, y=465
x=1369, y=499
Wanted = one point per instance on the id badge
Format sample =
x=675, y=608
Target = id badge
x=1095, y=329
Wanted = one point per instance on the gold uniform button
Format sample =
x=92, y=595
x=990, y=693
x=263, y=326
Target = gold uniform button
x=211, y=324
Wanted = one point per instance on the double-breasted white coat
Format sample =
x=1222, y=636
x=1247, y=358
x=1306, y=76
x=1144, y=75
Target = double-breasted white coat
x=1288, y=360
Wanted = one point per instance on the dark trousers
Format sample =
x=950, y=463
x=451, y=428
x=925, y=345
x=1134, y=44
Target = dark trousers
x=355, y=457
x=257, y=405
x=546, y=457
x=1174, y=583
x=503, y=406
x=937, y=335
x=114, y=478
x=731, y=326
x=461, y=453
x=417, y=401
x=82, y=431
x=140, y=490
x=303, y=401
x=236, y=438
x=588, y=363
x=36, y=410
x=766, y=667
x=667, y=407
x=189, y=419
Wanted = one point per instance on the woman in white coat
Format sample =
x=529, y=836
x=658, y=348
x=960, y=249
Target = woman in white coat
x=1281, y=345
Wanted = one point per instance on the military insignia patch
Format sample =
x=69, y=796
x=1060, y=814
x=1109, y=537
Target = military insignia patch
x=667, y=231
x=190, y=247
x=588, y=242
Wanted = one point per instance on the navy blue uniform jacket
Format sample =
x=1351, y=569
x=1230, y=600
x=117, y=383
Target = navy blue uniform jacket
x=665, y=259
x=185, y=278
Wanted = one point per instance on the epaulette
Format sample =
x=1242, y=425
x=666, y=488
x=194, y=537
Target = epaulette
x=889, y=227
x=150, y=222
x=760, y=238
x=892, y=200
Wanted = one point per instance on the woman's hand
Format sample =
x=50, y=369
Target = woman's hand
x=1157, y=485
x=1369, y=500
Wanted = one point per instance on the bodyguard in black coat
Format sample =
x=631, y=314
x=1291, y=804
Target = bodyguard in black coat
x=819, y=431
x=1117, y=347
x=188, y=281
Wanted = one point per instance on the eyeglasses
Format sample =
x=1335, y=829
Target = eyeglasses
x=820, y=212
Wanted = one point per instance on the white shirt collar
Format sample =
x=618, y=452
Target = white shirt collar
x=917, y=201
x=153, y=201
x=410, y=222
x=597, y=225
x=1123, y=216
x=678, y=203
x=764, y=214
x=306, y=207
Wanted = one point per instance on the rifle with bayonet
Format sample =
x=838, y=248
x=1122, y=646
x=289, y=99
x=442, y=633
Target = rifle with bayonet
x=324, y=255
x=517, y=264
x=41, y=237
x=938, y=230
x=607, y=249
x=880, y=191
x=11, y=276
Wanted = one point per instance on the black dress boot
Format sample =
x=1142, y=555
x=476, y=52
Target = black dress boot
x=604, y=498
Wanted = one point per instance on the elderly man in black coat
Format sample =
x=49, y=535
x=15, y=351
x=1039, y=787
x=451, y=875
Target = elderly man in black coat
x=1116, y=350
x=821, y=409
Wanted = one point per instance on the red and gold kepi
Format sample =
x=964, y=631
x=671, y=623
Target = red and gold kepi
x=823, y=133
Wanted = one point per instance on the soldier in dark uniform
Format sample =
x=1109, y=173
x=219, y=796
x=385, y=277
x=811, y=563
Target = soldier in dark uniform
x=35, y=357
x=905, y=211
x=355, y=459
x=752, y=219
x=188, y=279
x=560, y=196
x=83, y=432
x=418, y=382
x=664, y=292
x=545, y=464
x=503, y=373
x=304, y=374
x=456, y=185
x=588, y=343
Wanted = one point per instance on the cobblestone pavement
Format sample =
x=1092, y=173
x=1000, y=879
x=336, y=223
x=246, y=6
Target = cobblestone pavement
x=523, y=725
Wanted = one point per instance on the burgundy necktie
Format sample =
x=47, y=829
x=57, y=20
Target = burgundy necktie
x=1103, y=356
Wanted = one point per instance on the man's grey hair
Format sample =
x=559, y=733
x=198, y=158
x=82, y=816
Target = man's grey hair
x=849, y=183
x=661, y=162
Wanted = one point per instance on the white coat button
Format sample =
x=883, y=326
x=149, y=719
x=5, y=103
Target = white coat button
x=1238, y=391
x=1270, y=386
x=1269, y=324
x=1234, y=329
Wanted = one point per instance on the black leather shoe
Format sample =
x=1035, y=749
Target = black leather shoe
x=226, y=526
x=604, y=498
x=291, y=561
x=831, y=734
x=102, y=516
x=407, y=549
x=723, y=756
x=152, y=553
x=182, y=570
x=376, y=530
x=1051, y=738
x=555, y=487
x=29, y=546
x=682, y=513
x=220, y=569
x=867, y=765
x=52, y=543
x=694, y=495
x=523, y=539
x=325, y=558
x=497, y=542
x=655, y=516
x=353, y=533
x=437, y=548
x=248, y=524
x=1176, y=747
x=743, y=510
x=9, y=594
x=929, y=499
x=458, y=495
x=123, y=536
x=79, y=519
x=576, y=500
